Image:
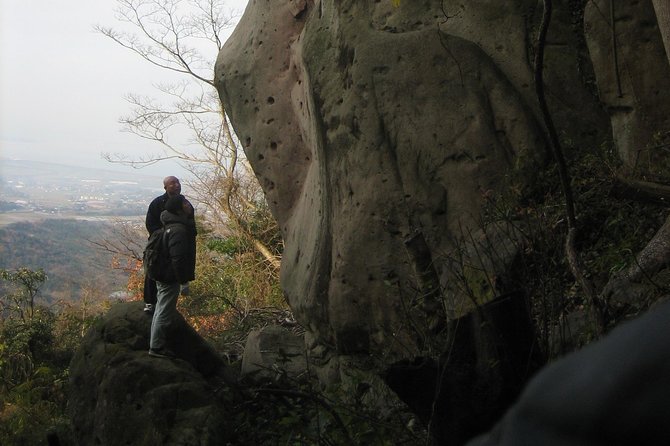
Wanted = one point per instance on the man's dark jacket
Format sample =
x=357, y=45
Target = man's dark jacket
x=180, y=240
x=153, y=218
x=152, y=223
x=156, y=207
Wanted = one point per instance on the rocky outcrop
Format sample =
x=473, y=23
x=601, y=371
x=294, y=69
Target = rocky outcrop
x=360, y=147
x=272, y=351
x=624, y=43
x=119, y=395
x=380, y=132
x=377, y=133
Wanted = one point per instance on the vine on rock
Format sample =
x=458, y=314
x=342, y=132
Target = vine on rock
x=598, y=310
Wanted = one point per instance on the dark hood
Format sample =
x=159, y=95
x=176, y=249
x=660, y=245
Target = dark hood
x=169, y=218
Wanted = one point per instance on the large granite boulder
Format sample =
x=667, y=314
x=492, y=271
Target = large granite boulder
x=378, y=134
x=119, y=395
x=381, y=135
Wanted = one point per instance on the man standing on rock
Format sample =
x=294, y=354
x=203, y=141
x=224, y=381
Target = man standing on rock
x=179, y=238
x=152, y=222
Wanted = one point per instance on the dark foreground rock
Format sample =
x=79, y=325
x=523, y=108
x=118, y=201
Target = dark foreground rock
x=613, y=392
x=121, y=396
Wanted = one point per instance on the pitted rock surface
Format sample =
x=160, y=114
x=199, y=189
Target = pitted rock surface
x=377, y=133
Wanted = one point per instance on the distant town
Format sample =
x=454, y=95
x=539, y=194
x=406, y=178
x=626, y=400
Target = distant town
x=45, y=190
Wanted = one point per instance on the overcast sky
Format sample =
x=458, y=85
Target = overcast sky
x=62, y=85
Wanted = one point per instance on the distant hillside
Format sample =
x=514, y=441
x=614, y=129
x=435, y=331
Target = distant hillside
x=66, y=191
x=62, y=248
x=50, y=212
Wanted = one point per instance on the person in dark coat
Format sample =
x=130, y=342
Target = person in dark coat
x=180, y=241
x=152, y=222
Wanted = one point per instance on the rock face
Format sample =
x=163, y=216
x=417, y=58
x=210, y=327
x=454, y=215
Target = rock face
x=624, y=43
x=273, y=350
x=120, y=395
x=362, y=141
x=377, y=132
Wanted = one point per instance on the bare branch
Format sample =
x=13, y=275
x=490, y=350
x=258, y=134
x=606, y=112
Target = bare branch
x=172, y=34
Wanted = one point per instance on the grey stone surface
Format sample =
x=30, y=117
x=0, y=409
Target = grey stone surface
x=272, y=351
x=119, y=395
x=371, y=126
x=379, y=133
x=633, y=78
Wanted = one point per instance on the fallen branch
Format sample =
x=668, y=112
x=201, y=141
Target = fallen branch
x=643, y=190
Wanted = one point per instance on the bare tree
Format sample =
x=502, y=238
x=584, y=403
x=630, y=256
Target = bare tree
x=174, y=35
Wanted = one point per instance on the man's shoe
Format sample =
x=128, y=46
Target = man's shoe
x=149, y=308
x=162, y=353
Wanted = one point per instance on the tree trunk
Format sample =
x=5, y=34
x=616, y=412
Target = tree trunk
x=265, y=252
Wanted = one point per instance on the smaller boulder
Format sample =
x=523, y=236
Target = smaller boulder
x=273, y=350
x=120, y=395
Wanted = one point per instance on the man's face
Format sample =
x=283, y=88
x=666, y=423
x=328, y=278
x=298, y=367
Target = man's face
x=172, y=186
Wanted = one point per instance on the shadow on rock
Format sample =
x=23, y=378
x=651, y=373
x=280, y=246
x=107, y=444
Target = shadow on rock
x=612, y=392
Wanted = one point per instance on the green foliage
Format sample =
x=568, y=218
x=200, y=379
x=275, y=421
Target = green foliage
x=233, y=284
x=60, y=248
x=34, y=355
x=34, y=408
x=263, y=227
x=30, y=280
x=229, y=246
x=24, y=287
x=608, y=241
x=31, y=340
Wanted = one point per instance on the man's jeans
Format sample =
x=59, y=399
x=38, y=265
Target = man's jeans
x=164, y=313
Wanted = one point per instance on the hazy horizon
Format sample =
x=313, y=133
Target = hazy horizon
x=123, y=172
x=158, y=171
x=63, y=85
